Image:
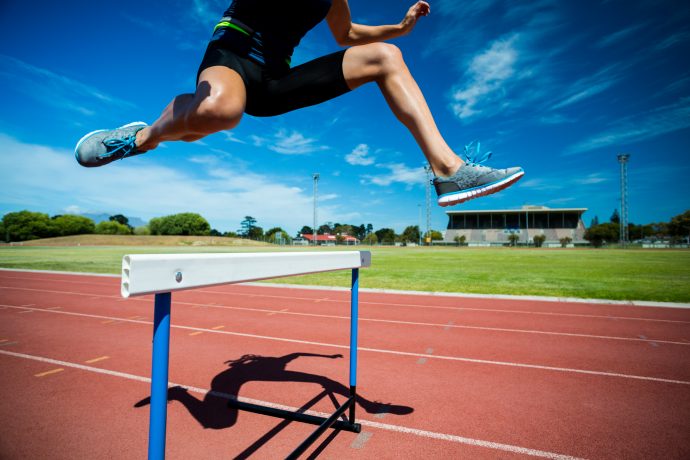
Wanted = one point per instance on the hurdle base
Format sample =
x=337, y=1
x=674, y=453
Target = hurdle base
x=322, y=422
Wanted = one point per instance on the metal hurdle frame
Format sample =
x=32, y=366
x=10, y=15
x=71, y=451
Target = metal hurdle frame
x=161, y=274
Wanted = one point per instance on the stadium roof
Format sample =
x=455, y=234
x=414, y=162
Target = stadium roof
x=521, y=210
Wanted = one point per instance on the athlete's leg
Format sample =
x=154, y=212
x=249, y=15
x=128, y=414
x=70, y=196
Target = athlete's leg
x=384, y=64
x=217, y=105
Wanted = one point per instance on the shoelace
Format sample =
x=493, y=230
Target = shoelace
x=473, y=155
x=120, y=147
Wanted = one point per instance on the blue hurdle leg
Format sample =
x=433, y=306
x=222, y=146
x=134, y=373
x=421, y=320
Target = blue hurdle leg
x=159, y=376
x=354, y=313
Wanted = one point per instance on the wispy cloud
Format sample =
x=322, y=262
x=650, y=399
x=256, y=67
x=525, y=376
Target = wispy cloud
x=673, y=40
x=660, y=121
x=619, y=35
x=56, y=90
x=590, y=86
x=360, y=156
x=487, y=73
x=289, y=143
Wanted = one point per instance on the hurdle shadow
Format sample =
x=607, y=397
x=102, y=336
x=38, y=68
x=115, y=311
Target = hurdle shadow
x=213, y=411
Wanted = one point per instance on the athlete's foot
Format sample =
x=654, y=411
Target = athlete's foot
x=473, y=180
x=104, y=146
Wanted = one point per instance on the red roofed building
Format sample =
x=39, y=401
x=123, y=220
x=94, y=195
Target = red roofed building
x=328, y=239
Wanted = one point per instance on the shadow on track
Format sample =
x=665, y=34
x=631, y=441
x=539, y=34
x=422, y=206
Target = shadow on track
x=213, y=411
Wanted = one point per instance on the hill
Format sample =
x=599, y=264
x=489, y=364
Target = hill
x=140, y=240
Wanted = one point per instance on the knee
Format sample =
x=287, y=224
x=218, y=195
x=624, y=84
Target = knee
x=388, y=57
x=216, y=113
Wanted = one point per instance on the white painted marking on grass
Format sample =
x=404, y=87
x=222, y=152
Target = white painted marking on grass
x=379, y=350
x=382, y=426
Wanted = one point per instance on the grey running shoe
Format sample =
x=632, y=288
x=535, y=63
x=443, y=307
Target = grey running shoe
x=473, y=180
x=103, y=146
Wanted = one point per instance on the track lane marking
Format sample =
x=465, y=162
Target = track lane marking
x=193, y=333
x=95, y=360
x=386, y=304
x=384, y=351
x=217, y=328
x=364, y=422
x=446, y=326
x=51, y=372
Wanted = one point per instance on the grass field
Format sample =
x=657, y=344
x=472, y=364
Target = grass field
x=656, y=275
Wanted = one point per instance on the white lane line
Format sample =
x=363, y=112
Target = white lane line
x=379, y=350
x=386, y=304
x=446, y=326
x=382, y=426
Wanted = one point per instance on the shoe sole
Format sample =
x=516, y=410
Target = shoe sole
x=86, y=136
x=461, y=197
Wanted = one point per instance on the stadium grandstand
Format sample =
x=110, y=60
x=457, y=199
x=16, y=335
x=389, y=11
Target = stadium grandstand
x=488, y=228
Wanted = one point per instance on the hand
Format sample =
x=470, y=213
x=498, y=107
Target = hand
x=417, y=10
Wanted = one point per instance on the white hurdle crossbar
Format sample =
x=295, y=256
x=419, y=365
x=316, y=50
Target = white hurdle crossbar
x=161, y=274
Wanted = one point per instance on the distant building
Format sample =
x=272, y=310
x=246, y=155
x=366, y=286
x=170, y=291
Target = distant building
x=326, y=240
x=486, y=228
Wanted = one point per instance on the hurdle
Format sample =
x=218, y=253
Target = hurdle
x=162, y=274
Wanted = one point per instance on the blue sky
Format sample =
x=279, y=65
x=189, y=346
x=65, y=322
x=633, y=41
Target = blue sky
x=557, y=87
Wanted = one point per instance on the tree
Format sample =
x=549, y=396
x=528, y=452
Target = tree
x=111, y=227
x=3, y=233
x=435, y=235
x=325, y=229
x=339, y=239
x=371, y=239
x=306, y=230
x=215, y=232
x=410, y=234
x=247, y=224
x=595, y=221
x=370, y=228
x=679, y=227
x=513, y=238
x=359, y=232
x=256, y=233
x=615, y=218
x=73, y=225
x=142, y=230
x=460, y=240
x=602, y=233
x=186, y=223
x=277, y=235
x=565, y=241
x=27, y=225
x=120, y=219
x=539, y=240
x=385, y=235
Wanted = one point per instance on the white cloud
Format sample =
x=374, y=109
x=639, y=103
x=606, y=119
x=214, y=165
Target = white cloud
x=399, y=173
x=47, y=179
x=360, y=156
x=488, y=72
x=288, y=143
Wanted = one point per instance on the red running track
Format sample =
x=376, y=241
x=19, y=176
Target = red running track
x=439, y=377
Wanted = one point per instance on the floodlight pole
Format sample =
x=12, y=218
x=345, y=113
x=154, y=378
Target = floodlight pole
x=623, y=160
x=315, y=176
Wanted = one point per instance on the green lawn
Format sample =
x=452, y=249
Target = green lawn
x=635, y=274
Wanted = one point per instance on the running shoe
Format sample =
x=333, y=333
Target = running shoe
x=103, y=146
x=473, y=179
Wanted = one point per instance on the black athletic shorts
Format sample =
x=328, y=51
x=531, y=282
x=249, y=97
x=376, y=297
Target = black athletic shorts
x=273, y=93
